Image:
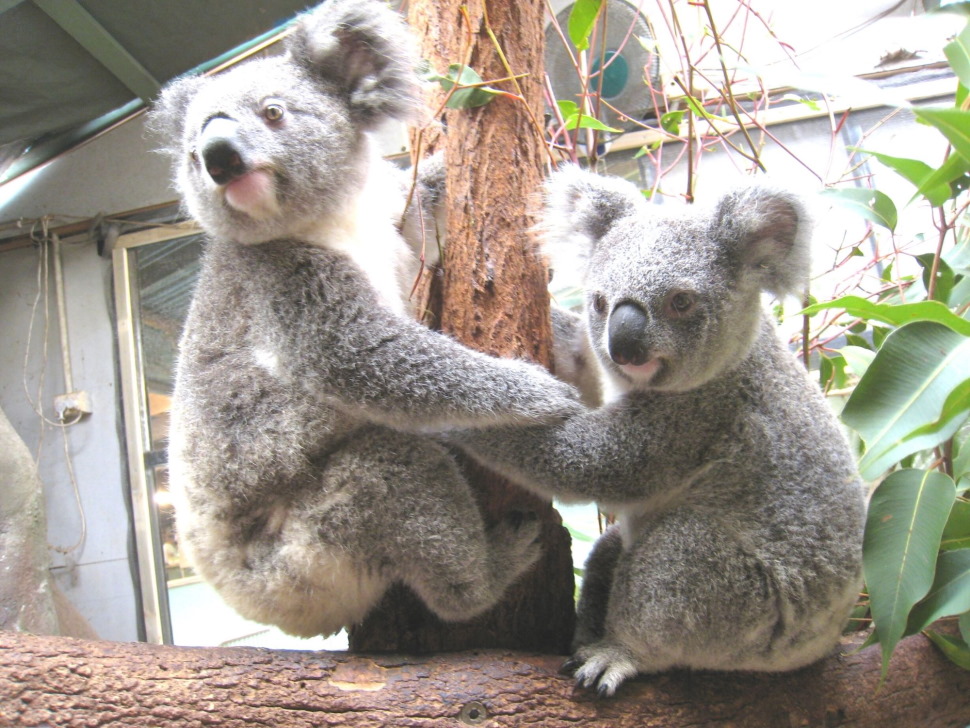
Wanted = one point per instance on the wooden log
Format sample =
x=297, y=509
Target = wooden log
x=58, y=681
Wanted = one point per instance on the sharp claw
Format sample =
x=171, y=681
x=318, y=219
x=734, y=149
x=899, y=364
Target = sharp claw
x=569, y=667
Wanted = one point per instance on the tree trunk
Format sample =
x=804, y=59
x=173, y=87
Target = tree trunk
x=58, y=681
x=493, y=298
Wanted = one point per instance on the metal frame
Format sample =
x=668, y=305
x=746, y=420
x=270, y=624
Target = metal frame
x=151, y=571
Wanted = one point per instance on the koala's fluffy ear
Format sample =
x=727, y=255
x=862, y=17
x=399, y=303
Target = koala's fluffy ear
x=770, y=233
x=166, y=119
x=580, y=208
x=366, y=49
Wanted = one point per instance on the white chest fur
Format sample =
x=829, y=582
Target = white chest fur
x=367, y=233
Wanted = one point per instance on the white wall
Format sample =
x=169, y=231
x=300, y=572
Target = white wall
x=111, y=174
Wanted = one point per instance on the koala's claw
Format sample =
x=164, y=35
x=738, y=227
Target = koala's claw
x=604, y=665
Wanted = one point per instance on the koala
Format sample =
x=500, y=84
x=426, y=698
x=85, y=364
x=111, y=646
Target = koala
x=304, y=473
x=740, y=513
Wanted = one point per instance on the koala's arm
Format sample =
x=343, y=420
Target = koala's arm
x=614, y=454
x=330, y=333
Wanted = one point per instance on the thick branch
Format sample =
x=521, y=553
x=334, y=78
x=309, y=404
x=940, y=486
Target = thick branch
x=56, y=681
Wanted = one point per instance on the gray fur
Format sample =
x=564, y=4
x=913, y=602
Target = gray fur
x=740, y=512
x=304, y=481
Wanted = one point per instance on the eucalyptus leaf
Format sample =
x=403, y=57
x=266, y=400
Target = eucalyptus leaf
x=945, y=278
x=895, y=314
x=955, y=411
x=585, y=121
x=956, y=533
x=873, y=205
x=958, y=54
x=904, y=389
x=914, y=171
x=582, y=18
x=857, y=359
x=464, y=98
x=953, y=123
x=948, y=596
x=670, y=122
x=951, y=174
x=956, y=650
x=906, y=517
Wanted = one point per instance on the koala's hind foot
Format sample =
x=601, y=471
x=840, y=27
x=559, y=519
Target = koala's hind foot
x=594, y=598
x=605, y=665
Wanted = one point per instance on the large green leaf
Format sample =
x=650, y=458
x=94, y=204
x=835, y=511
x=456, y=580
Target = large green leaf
x=873, y=205
x=951, y=173
x=907, y=513
x=582, y=18
x=904, y=389
x=954, y=124
x=895, y=314
x=915, y=171
x=949, y=595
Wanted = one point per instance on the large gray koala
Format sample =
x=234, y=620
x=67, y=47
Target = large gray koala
x=304, y=479
x=740, y=512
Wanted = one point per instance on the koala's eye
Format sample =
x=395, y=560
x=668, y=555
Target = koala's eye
x=599, y=303
x=681, y=303
x=273, y=112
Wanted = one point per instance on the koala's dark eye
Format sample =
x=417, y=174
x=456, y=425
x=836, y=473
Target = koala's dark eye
x=273, y=112
x=599, y=303
x=681, y=303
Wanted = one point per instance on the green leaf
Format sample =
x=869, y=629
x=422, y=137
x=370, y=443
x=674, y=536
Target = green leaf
x=964, y=623
x=955, y=411
x=907, y=513
x=857, y=359
x=567, y=108
x=904, y=389
x=949, y=595
x=810, y=103
x=951, y=173
x=895, y=314
x=670, y=122
x=698, y=108
x=954, y=124
x=873, y=205
x=585, y=121
x=914, y=171
x=958, y=54
x=956, y=533
x=582, y=18
x=956, y=650
x=945, y=277
x=463, y=98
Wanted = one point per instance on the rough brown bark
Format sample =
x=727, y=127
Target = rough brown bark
x=492, y=298
x=57, y=681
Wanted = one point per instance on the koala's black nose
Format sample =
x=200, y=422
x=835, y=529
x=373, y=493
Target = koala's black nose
x=627, y=335
x=220, y=149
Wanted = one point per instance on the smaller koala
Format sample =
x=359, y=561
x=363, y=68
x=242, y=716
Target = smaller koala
x=304, y=476
x=740, y=513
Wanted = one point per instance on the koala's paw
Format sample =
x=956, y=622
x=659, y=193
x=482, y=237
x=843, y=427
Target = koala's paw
x=605, y=665
x=516, y=542
x=553, y=400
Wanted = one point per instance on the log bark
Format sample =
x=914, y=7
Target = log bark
x=493, y=298
x=58, y=681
